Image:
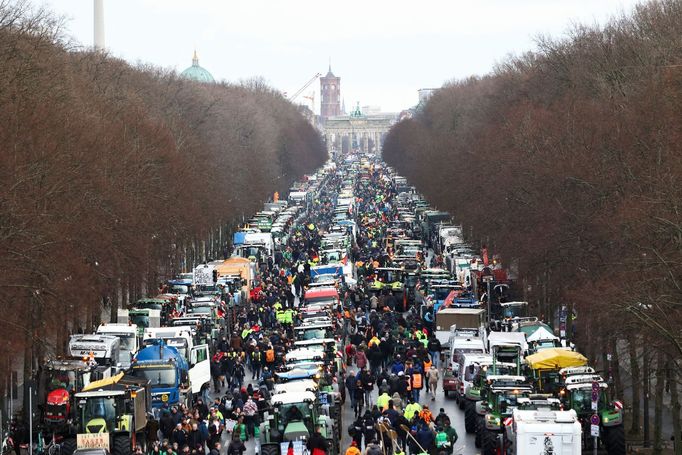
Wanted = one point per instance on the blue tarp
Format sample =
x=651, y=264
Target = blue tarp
x=238, y=238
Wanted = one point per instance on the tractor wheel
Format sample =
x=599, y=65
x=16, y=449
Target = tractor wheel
x=67, y=447
x=122, y=446
x=460, y=401
x=269, y=449
x=614, y=439
x=469, y=416
x=480, y=428
x=489, y=442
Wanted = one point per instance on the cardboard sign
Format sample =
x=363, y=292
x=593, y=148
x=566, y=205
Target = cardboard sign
x=203, y=276
x=298, y=447
x=92, y=441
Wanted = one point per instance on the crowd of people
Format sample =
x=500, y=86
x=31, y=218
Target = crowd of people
x=391, y=356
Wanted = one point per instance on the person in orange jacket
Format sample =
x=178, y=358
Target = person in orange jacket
x=353, y=449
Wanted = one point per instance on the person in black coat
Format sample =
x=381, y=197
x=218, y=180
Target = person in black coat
x=368, y=430
x=317, y=441
x=359, y=395
x=400, y=424
x=194, y=438
x=202, y=408
x=236, y=446
x=349, y=384
x=166, y=424
x=375, y=358
x=179, y=436
x=355, y=431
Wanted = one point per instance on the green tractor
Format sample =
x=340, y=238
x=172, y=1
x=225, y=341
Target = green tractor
x=112, y=414
x=295, y=415
x=577, y=395
x=479, y=387
x=501, y=398
x=506, y=361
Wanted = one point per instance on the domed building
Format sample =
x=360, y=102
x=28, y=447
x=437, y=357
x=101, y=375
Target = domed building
x=196, y=72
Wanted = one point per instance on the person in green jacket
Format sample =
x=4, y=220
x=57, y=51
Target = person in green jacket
x=450, y=435
x=442, y=441
x=240, y=429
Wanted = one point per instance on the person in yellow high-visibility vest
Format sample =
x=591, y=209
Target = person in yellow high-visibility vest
x=289, y=316
x=382, y=401
x=281, y=316
x=411, y=409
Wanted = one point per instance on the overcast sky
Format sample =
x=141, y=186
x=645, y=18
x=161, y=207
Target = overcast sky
x=383, y=50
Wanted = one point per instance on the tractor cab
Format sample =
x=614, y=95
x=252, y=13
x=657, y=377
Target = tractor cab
x=577, y=396
x=547, y=366
x=505, y=393
x=295, y=415
x=116, y=407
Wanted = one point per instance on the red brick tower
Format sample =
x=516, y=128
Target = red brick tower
x=330, y=90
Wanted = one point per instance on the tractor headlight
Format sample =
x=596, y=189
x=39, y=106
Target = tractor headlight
x=492, y=421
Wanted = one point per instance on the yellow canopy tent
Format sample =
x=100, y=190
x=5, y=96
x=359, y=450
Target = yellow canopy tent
x=547, y=363
x=555, y=359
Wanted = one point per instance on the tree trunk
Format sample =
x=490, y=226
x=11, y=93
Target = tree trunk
x=646, y=371
x=658, y=402
x=113, y=314
x=28, y=357
x=636, y=382
x=675, y=406
x=615, y=369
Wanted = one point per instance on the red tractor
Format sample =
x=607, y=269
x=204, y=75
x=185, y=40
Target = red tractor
x=62, y=380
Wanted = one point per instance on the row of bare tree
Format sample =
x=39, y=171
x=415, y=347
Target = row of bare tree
x=116, y=176
x=569, y=159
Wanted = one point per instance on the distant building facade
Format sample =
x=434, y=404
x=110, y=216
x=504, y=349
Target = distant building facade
x=425, y=94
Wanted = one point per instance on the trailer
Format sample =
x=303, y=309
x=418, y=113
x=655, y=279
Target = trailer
x=542, y=431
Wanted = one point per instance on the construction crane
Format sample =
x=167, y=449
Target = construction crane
x=307, y=84
x=312, y=100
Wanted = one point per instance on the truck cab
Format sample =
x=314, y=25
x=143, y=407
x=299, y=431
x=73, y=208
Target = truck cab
x=167, y=372
x=463, y=373
x=105, y=350
x=129, y=340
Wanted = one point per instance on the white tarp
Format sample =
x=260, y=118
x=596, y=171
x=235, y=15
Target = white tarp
x=542, y=334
